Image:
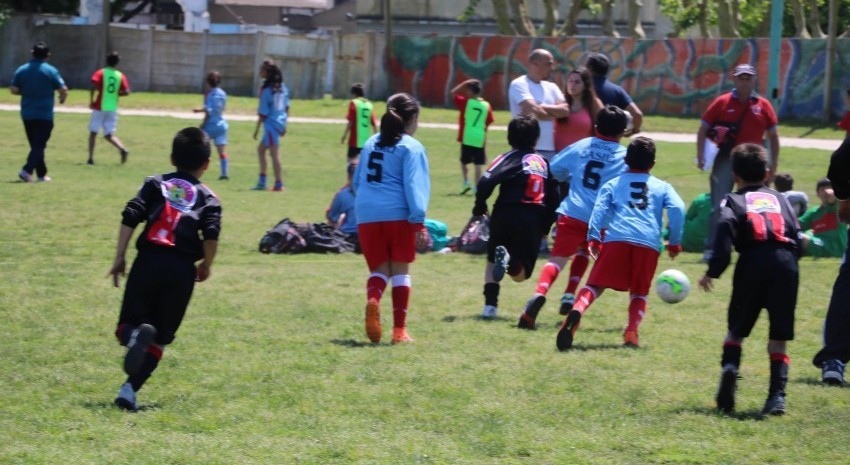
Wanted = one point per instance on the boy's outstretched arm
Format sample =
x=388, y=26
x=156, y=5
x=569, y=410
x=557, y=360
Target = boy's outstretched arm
x=203, y=271
x=119, y=266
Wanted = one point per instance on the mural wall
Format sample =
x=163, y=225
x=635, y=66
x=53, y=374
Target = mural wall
x=674, y=76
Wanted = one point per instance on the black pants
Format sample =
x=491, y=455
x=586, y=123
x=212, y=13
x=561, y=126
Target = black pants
x=38, y=133
x=836, y=327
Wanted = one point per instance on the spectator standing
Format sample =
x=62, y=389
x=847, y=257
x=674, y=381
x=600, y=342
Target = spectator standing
x=584, y=107
x=610, y=93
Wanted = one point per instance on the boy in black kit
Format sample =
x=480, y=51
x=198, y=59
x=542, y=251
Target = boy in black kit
x=762, y=226
x=523, y=212
x=176, y=207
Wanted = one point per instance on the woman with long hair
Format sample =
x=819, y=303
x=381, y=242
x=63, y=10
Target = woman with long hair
x=584, y=106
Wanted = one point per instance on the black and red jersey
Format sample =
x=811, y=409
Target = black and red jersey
x=176, y=207
x=754, y=217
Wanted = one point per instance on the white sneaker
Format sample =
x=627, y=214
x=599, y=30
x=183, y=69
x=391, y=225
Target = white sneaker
x=127, y=398
x=45, y=179
x=489, y=312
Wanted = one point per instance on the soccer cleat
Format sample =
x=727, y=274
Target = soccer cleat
x=400, y=336
x=775, y=405
x=489, y=312
x=529, y=315
x=278, y=186
x=500, y=263
x=137, y=347
x=833, y=372
x=466, y=187
x=567, y=302
x=126, y=399
x=90, y=161
x=223, y=177
x=124, y=154
x=564, y=340
x=726, y=390
x=44, y=178
x=630, y=339
x=373, y=321
x=25, y=177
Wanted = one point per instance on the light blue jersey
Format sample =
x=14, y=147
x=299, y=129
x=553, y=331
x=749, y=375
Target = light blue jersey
x=275, y=107
x=392, y=183
x=214, y=105
x=630, y=208
x=343, y=203
x=590, y=163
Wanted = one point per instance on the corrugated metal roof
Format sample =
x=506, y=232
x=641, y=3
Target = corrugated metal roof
x=317, y=4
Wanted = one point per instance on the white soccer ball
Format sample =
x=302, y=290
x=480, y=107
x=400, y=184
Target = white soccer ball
x=672, y=286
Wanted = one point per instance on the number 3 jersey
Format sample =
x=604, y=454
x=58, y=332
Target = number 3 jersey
x=753, y=218
x=392, y=183
x=588, y=164
x=176, y=207
x=631, y=207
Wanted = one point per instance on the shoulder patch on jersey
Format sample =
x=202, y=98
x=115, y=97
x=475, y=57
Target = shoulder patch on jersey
x=762, y=202
x=534, y=164
x=181, y=194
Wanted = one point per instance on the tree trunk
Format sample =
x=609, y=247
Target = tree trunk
x=726, y=23
x=635, y=26
x=551, y=7
x=608, y=19
x=799, y=19
x=522, y=21
x=570, y=27
x=703, y=20
x=503, y=18
x=814, y=20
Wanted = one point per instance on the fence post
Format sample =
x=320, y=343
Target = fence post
x=151, y=52
x=204, y=58
x=259, y=56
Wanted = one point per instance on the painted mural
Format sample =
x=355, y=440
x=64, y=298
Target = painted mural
x=673, y=77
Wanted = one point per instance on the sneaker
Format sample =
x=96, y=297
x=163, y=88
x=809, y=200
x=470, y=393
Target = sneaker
x=373, y=321
x=126, y=399
x=44, y=178
x=400, y=336
x=775, y=405
x=489, y=312
x=466, y=187
x=567, y=302
x=833, y=372
x=630, y=339
x=223, y=177
x=278, y=187
x=259, y=187
x=137, y=347
x=529, y=315
x=124, y=154
x=90, y=161
x=500, y=264
x=564, y=340
x=726, y=390
x=25, y=177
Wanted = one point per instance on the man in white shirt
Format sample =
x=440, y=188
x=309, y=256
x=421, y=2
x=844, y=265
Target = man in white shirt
x=534, y=95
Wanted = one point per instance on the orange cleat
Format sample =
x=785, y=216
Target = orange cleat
x=400, y=336
x=373, y=321
x=630, y=339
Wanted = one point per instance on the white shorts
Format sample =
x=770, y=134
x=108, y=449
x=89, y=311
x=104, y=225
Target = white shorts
x=107, y=120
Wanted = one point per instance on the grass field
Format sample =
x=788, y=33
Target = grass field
x=272, y=364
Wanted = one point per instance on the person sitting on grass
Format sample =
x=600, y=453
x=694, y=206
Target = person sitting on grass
x=826, y=234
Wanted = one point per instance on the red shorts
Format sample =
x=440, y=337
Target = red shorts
x=570, y=236
x=624, y=267
x=386, y=241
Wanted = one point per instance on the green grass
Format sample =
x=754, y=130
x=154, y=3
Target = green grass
x=271, y=364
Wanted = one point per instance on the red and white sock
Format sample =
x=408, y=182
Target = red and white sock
x=375, y=286
x=548, y=275
x=585, y=297
x=401, y=298
x=637, y=309
x=577, y=269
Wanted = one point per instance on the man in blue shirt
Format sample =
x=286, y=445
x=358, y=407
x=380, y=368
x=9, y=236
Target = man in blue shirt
x=610, y=93
x=35, y=82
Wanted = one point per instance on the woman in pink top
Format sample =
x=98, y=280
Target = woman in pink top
x=584, y=105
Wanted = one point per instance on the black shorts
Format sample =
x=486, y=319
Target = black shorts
x=764, y=278
x=520, y=230
x=157, y=292
x=353, y=152
x=474, y=155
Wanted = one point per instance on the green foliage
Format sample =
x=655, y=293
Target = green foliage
x=469, y=11
x=684, y=16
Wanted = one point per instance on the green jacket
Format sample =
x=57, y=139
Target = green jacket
x=825, y=226
x=696, y=224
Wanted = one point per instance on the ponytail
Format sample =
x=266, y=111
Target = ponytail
x=401, y=109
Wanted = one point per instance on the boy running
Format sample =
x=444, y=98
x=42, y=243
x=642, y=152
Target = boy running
x=109, y=84
x=630, y=208
x=760, y=223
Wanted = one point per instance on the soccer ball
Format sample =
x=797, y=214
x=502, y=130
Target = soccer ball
x=672, y=286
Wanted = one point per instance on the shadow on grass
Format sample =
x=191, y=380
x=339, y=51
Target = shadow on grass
x=747, y=415
x=453, y=318
x=605, y=346
x=109, y=405
x=817, y=382
x=355, y=344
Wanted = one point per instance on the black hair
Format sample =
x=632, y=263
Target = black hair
x=274, y=77
x=749, y=162
x=823, y=183
x=358, y=90
x=523, y=132
x=598, y=64
x=474, y=86
x=112, y=58
x=783, y=182
x=588, y=95
x=640, y=154
x=190, y=149
x=401, y=109
x=611, y=121
x=40, y=50
x=213, y=78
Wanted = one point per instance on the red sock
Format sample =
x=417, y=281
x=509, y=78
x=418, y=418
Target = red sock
x=223, y=156
x=780, y=357
x=585, y=297
x=375, y=286
x=577, y=269
x=401, y=298
x=548, y=275
x=637, y=309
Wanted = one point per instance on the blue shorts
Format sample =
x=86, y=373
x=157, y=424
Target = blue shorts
x=272, y=132
x=217, y=133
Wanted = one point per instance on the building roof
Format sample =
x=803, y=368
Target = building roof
x=317, y=4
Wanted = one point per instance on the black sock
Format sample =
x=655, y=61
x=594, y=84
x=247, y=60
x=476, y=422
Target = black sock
x=148, y=366
x=778, y=377
x=731, y=355
x=491, y=294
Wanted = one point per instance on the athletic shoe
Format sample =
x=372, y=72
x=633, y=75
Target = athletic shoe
x=400, y=336
x=500, y=264
x=630, y=339
x=529, y=315
x=565, y=336
x=90, y=162
x=466, y=187
x=489, y=312
x=526, y=322
x=223, y=177
x=259, y=187
x=137, y=347
x=833, y=372
x=124, y=155
x=126, y=399
x=373, y=321
x=44, y=178
x=775, y=405
x=25, y=177
x=278, y=187
x=726, y=390
x=567, y=302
